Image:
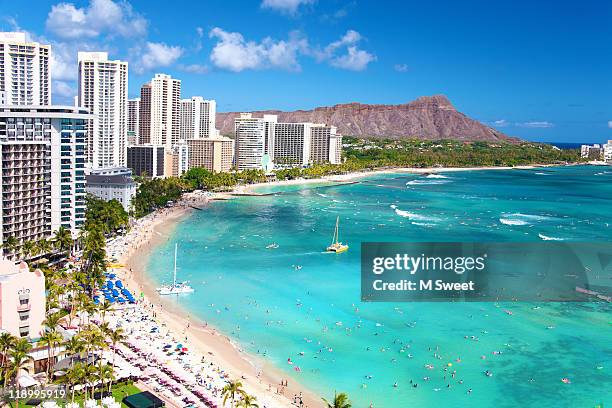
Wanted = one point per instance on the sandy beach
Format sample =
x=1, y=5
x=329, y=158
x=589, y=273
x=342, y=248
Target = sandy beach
x=259, y=377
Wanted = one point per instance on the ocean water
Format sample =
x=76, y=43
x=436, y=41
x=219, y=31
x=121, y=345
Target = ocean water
x=300, y=307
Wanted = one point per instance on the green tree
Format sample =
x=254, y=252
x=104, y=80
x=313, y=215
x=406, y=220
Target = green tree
x=10, y=245
x=231, y=390
x=340, y=401
x=62, y=240
x=248, y=401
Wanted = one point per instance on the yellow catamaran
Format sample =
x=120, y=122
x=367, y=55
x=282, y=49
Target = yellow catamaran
x=337, y=246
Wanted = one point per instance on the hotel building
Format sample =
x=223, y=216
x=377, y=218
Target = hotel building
x=22, y=300
x=160, y=111
x=177, y=161
x=112, y=184
x=213, y=154
x=285, y=144
x=147, y=160
x=607, y=152
x=42, y=171
x=254, y=140
x=25, y=77
x=594, y=152
x=325, y=144
x=133, y=120
x=144, y=115
x=198, y=118
x=103, y=88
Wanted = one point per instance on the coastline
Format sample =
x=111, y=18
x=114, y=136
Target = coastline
x=353, y=176
x=259, y=377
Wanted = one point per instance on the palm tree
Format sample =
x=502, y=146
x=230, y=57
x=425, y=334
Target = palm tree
x=52, y=321
x=62, y=240
x=51, y=339
x=340, y=401
x=10, y=244
x=18, y=360
x=106, y=373
x=248, y=401
x=231, y=390
x=74, y=346
x=105, y=307
x=74, y=375
x=27, y=249
x=7, y=341
x=115, y=337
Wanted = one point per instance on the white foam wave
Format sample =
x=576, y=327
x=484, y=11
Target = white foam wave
x=436, y=176
x=413, y=216
x=393, y=206
x=426, y=182
x=507, y=221
x=322, y=195
x=547, y=238
x=423, y=224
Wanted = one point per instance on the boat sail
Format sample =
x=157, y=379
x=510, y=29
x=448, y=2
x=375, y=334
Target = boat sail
x=176, y=287
x=337, y=246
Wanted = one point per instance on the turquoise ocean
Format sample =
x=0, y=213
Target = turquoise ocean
x=261, y=277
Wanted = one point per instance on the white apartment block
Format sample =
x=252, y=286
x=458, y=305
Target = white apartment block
x=112, y=184
x=103, y=86
x=198, y=118
x=607, y=152
x=133, y=121
x=25, y=77
x=42, y=171
x=285, y=144
x=160, y=108
x=254, y=140
x=179, y=162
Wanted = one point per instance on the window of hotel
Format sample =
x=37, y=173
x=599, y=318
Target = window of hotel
x=25, y=315
x=24, y=300
x=24, y=331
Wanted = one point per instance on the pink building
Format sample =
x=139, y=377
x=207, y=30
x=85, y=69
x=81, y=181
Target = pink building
x=22, y=299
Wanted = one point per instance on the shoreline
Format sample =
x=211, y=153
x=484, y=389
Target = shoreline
x=258, y=376
x=353, y=176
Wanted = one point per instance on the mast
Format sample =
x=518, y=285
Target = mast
x=174, y=279
x=337, y=234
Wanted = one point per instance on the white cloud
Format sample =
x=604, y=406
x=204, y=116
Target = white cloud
x=232, y=52
x=535, y=124
x=401, y=67
x=285, y=6
x=157, y=55
x=610, y=124
x=501, y=123
x=353, y=59
x=100, y=17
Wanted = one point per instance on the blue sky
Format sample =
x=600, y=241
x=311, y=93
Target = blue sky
x=540, y=69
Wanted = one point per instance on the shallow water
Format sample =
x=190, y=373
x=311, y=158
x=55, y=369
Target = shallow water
x=295, y=299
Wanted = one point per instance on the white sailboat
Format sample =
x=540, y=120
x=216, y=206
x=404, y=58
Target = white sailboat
x=176, y=287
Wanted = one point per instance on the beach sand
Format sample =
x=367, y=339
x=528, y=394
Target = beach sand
x=258, y=376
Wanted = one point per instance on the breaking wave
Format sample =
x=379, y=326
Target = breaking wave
x=546, y=238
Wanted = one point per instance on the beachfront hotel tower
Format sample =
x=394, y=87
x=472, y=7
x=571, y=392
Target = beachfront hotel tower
x=285, y=144
x=198, y=118
x=213, y=154
x=133, y=121
x=25, y=77
x=254, y=140
x=22, y=299
x=103, y=90
x=42, y=171
x=160, y=111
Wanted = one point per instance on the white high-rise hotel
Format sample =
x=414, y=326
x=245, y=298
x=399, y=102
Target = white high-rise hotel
x=103, y=89
x=259, y=140
x=160, y=111
x=198, y=118
x=24, y=71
